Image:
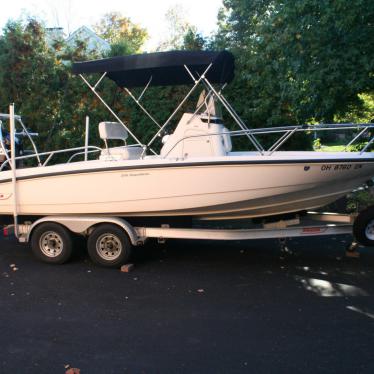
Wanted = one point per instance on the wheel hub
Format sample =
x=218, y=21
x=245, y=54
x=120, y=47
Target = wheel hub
x=108, y=246
x=369, y=231
x=51, y=244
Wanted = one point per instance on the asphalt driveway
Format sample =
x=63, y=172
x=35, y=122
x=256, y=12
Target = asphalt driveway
x=191, y=307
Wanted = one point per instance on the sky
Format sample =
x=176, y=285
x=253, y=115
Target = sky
x=72, y=14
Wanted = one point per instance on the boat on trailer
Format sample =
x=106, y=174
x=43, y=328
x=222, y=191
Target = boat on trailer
x=196, y=173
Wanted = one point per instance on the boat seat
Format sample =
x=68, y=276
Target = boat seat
x=115, y=131
x=112, y=130
x=125, y=152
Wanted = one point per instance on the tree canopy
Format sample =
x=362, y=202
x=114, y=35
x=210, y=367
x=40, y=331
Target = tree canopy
x=300, y=60
x=124, y=36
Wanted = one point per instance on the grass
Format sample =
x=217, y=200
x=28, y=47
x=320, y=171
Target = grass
x=339, y=147
x=332, y=148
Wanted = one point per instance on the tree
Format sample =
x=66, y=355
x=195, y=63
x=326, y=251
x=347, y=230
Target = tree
x=38, y=79
x=177, y=27
x=29, y=75
x=300, y=61
x=193, y=40
x=125, y=36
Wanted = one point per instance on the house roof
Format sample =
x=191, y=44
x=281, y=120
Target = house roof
x=86, y=34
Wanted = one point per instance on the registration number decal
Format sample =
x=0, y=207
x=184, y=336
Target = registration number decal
x=339, y=167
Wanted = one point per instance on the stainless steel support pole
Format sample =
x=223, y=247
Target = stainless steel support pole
x=355, y=138
x=3, y=147
x=282, y=140
x=137, y=101
x=87, y=134
x=31, y=141
x=367, y=145
x=235, y=116
x=236, y=119
x=13, y=165
x=110, y=109
x=180, y=105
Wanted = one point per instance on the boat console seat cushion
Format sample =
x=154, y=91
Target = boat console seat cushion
x=121, y=153
x=112, y=130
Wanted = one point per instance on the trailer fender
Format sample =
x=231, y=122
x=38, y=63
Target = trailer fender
x=82, y=225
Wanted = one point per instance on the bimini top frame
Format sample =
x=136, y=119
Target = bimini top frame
x=182, y=67
x=164, y=69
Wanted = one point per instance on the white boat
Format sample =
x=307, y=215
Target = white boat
x=196, y=173
x=237, y=185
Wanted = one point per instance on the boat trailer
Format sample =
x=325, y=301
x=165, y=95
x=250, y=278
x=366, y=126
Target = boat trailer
x=111, y=239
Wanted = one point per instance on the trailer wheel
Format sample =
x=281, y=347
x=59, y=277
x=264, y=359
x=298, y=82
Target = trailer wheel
x=363, y=227
x=52, y=243
x=109, y=246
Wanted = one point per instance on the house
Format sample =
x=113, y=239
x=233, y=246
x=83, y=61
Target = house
x=54, y=35
x=94, y=42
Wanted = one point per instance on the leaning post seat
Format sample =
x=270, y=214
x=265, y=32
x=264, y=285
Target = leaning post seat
x=112, y=130
x=115, y=131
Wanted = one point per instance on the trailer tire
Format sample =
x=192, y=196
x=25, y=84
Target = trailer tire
x=52, y=243
x=109, y=246
x=363, y=227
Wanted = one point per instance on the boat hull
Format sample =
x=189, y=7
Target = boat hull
x=230, y=188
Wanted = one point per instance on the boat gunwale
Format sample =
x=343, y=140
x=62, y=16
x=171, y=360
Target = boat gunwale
x=177, y=164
